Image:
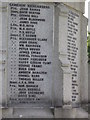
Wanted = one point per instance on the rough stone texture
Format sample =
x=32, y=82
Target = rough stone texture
x=66, y=112
x=43, y=0
x=33, y=113
x=84, y=61
x=0, y=64
x=63, y=54
x=80, y=6
x=76, y=4
x=71, y=113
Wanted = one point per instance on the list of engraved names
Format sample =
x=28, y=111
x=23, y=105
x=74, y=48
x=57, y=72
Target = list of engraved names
x=30, y=55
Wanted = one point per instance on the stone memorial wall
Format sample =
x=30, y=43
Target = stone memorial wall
x=44, y=68
x=30, y=54
x=73, y=52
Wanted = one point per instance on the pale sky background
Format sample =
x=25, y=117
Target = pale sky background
x=86, y=8
x=87, y=13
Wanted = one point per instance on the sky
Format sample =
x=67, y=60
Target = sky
x=86, y=8
x=87, y=13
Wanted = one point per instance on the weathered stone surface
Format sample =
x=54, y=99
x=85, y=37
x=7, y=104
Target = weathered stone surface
x=62, y=90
